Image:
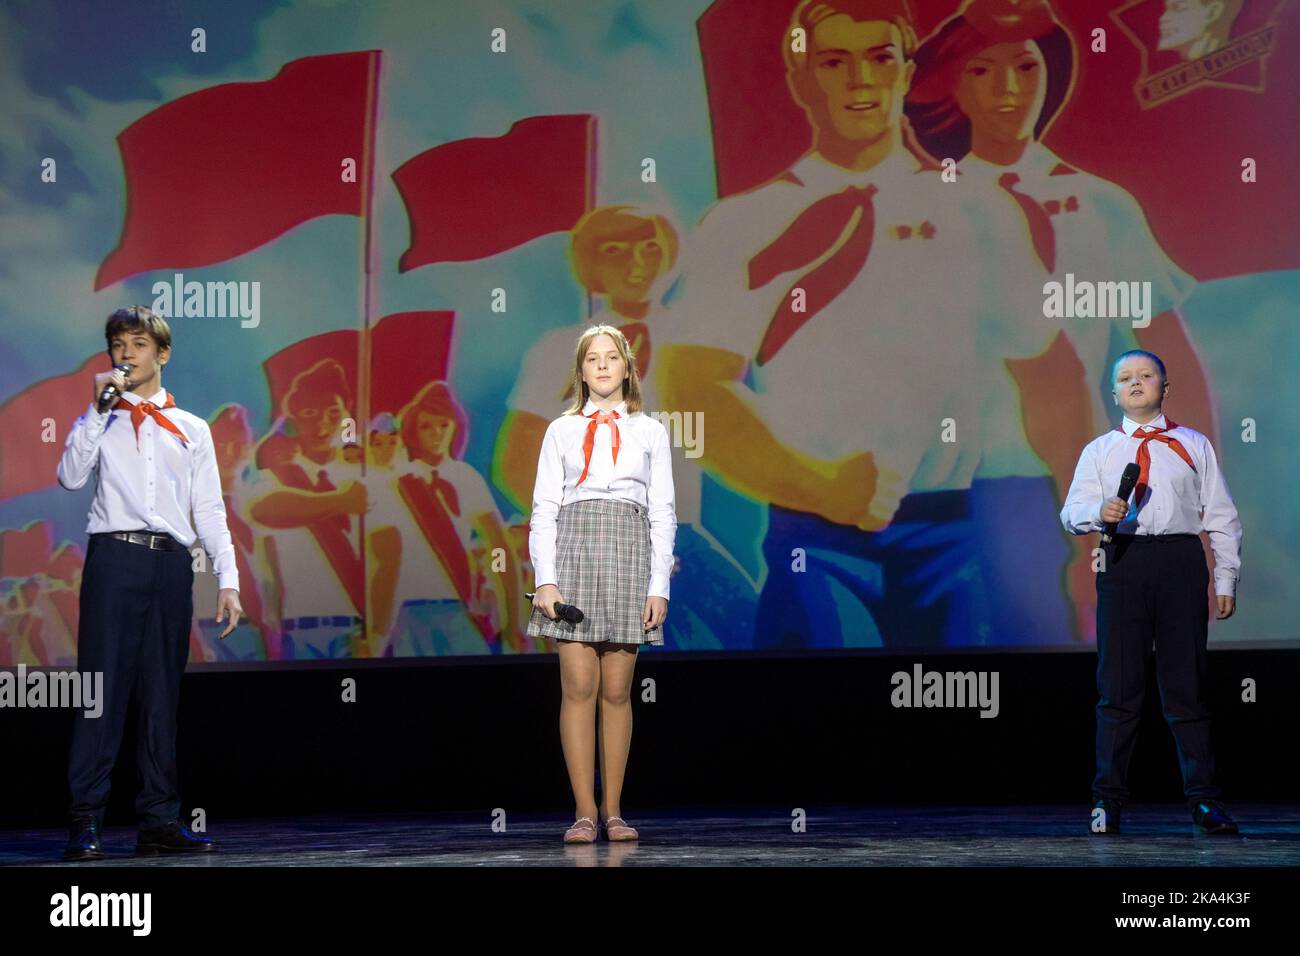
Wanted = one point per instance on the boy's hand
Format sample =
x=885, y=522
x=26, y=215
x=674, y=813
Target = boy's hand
x=354, y=498
x=862, y=494
x=1227, y=604
x=1113, y=510
x=228, y=604
x=102, y=379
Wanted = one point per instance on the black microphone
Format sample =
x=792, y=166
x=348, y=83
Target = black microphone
x=565, y=612
x=110, y=390
x=1126, y=483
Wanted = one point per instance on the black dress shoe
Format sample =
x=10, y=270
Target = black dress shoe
x=1210, y=816
x=173, y=837
x=1106, y=822
x=83, y=840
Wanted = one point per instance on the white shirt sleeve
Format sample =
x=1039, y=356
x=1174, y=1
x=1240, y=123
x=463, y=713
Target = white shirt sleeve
x=1137, y=249
x=1081, y=513
x=387, y=508
x=540, y=387
x=209, y=509
x=662, y=512
x=717, y=309
x=477, y=498
x=548, y=494
x=81, y=452
x=1220, y=521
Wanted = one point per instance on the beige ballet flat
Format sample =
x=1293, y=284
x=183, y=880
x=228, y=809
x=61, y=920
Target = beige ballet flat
x=617, y=831
x=581, y=834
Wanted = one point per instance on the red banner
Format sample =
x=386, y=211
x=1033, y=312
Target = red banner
x=27, y=462
x=476, y=198
x=222, y=171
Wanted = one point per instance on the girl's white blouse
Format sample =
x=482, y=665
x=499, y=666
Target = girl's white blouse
x=643, y=474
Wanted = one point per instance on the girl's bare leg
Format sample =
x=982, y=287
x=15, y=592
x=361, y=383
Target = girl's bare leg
x=579, y=683
x=617, y=664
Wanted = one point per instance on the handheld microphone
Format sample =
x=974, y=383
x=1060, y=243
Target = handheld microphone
x=1126, y=483
x=565, y=612
x=110, y=390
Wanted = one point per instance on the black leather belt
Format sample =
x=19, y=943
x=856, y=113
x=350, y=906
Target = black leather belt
x=154, y=542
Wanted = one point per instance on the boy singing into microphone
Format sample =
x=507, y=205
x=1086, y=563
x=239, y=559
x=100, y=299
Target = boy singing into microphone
x=154, y=466
x=1151, y=589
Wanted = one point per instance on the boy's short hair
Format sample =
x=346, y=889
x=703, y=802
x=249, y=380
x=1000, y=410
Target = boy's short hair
x=809, y=13
x=1139, y=353
x=586, y=235
x=138, y=318
x=385, y=423
x=319, y=384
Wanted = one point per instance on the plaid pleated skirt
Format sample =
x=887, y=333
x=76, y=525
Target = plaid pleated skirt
x=602, y=565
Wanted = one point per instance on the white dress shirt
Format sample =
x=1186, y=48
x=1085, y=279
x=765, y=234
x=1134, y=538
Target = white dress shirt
x=1181, y=501
x=539, y=390
x=421, y=575
x=310, y=585
x=899, y=339
x=643, y=475
x=1100, y=233
x=156, y=486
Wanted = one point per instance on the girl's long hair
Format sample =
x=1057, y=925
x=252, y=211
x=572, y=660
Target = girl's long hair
x=436, y=398
x=631, y=384
x=940, y=126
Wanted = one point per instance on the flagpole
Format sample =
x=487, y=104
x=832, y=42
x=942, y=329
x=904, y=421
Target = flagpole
x=593, y=145
x=364, y=353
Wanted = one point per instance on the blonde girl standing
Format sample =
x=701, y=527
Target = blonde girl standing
x=601, y=539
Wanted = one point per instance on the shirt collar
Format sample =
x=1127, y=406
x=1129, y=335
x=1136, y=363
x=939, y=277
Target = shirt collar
x=159, y=398
x=311, y=466
x=1036, y=162
x=820, y=174
x=425, y=470
x=591, y=408
x=1131, y=426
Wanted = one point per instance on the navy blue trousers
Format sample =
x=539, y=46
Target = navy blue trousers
x=1152, y=602
x=914, y=583
x=977, y=567
x=136, y=608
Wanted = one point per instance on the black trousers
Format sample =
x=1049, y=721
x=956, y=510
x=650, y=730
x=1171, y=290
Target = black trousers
x=1151, y=600
x=136, y=609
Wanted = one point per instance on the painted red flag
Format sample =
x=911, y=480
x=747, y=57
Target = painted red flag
x=406, y=351
x=28, y=462
x=222, y=171
x=475, y=198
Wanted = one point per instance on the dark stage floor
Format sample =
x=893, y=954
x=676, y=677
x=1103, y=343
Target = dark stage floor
x=846, y=836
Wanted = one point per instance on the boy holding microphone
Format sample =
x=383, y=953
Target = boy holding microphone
x=157, y=491
x=1151, y=589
